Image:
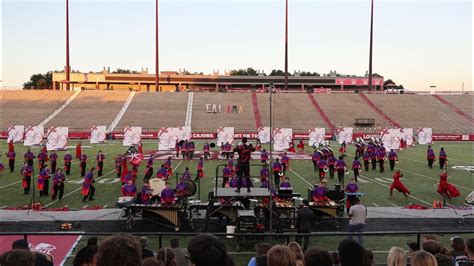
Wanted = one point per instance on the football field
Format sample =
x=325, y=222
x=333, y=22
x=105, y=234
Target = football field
x=418, y=178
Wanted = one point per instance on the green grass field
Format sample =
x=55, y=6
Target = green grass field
x=418, y=178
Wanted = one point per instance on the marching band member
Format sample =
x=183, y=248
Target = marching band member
x=148, y=172
x=398, y=185
x=118, y=165
x=43, y=181
x=234, y=182
x=443, y=158
x=341, y=167
x=430, y=156
x=83, y=164
x=300, y=145
x=186, y=174
x=319, y=192
x=342, y=149
x=124, y=168
x=126, y=176
x=129, y=189
x=168, y=165
x=285, y=183
x=243, y=163
x=134, y=173
x=176, y=148
x=392, y=158
x=366, y=158
x=292, y=147
x=258, y=145
x=163, y=173
x=351, y=188
x=79, y=150
x=100, y=158
x=373, y=158
x=359, y=148
x=277, y=168
x=147, y=192
x=200, y=169
x=331, y=161
x=26, y=172
x=227, y=175
x=285, y=161
x=446, y=189
x=11, y=154
x=167, y=195
x=321, y=167
x=139, y=148
x=356, y=168
x=264, y=173
x=227, y=150
x=265, y=183
x=381, y=159
x=53, y=158
x=184, y=149
x=58, y=185
x=11, y=147
x=206, y=149
x=315, y=158
x=88, y=190
x=67, y=163
x=264, y=157
x=42, y=158
x=191, y=149
x=370, y=147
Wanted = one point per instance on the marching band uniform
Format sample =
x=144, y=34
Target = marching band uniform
x=26, y=172
x=234, y=182
x=321, y=166
x=129, y=190
x=58, y=185
x=140, y=147
x=285, y=161
x=227, y=174
x=366, y=158
x=167, y=195
x=359, y=149
x=292, y=147
x=373, y=158
x=243, y=167
x=300, y=145
x=186, y=174
x=392, y=158
x=67, y=163
x=277, y=168
x=11, y=160
x=176, y=148
x=430, y=156
x=381, y=159
x=264, y=173
x=148, y=172
x=78, y=150
x=184, y=149
x=398, y=185
x=200, y=169
x=125, y=171
x=340, y=166
x=88, y=190
x=445, y=188
x=146, y=192
x=42, y=158
x=315, y=158
x=258, y=145
x=118, y=165
x=319, y=193
x=331, y=164
x=285, y=183
x=351, y=188
x=163, y=173
x=100, y=163
x=356, y=167
x=43, y=182
x=53, y=158
x=206, y=149
x=83, y=159
x=126, y=176
x=264, y=157
x=443, y=157
x=167, y=164
x=191, y=149
x=342, y=149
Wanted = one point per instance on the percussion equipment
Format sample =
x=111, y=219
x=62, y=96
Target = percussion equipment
x=190, y=188
x=325, y=207
x=124, y=201
x=169, y=212
x=325, y=169
x=358, y=194
x=157, y=185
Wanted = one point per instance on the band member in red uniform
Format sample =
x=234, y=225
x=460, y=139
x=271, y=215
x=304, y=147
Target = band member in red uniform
x=147, y=192
x=258, y=145
x=300, y=145
x=58, y=185
x=446, y=189
x=167, y=195
x=53, y=158
x=176, y=148
x=43, y=181
x=264, y=157
x=443, y=158
x=200, y=169
x=430, y=156
x=331, y=161
x=83, y=164
x=206, y=149
x=356, y=168
x=88, y=190
x=285, y=161
x=11, y=160
x=351, y=188
x=392, y=158
x=129, y=189
x=342, y=149
x=100, y=158
x=292, y=147
x=398, y=185
x=322, y=166
x=244, y=150
x=29, y=157
x=168, y=165
x=67, y=163
x=79, y=150
x=26, y=172
x=315, y=159
x=118, y=165
x=42, y=158
x=341, y=167
x=11, y=147
x=366, y=158
x=277, y=169
x=140, y=147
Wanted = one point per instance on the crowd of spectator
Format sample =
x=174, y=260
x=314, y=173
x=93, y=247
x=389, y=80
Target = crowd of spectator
x=206, y=249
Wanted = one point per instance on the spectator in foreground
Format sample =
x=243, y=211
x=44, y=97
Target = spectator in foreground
x=179, y=253
x=119, y=250
x=358, y=214
x=206, y=249
x=39, y=258
x=152, y=261
x=167, y=256
x=433, y=247
x=146, y=253
x=352, y=253
x=318, y=257
x=92, y=241
x=262, y=250
x=85, y=256
x=458, y=249
x=335, y=257
x=261, y=260
x=423, y=258
x=17, y=257
x=469, y=252
x=396, y=257
x=295, y=248
x=444, y=260
x=280, y=255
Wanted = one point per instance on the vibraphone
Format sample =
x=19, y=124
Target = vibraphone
x=327, y=207
x=171, y=213
x=288, y=210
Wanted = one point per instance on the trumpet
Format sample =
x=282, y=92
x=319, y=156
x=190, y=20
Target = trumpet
x=346, y=171
x=280, y=173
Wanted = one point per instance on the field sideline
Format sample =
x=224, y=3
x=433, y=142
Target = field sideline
x=418, y=178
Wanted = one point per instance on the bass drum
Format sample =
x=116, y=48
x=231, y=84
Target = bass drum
x=157, y=185
x=190, y=189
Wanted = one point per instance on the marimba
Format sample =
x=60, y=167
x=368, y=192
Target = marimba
x=171, y=213
x=325, y=207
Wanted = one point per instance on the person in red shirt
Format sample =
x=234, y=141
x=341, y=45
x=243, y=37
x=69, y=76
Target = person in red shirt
x=79, y=150
x=398, y=185
x=244, y=150
x=446, y=189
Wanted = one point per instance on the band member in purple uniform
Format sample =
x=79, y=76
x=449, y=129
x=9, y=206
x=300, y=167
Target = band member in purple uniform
x=356, y=168
x=191, y=149
x=373, y=158
x=11, y=160
x=58, y=185
x=168, y=165
x=264, y=173
x=88, y=190
x=129, y=189
x=227, y=174
x=392, y=158
x=351, y=188
x=67, y=163
x=322, y=165
x=264, y=157
x=184, y=149
x=176, y=148
x=200, y=169
x=53, y=158
x=341, y=167
x=381, y=159
x=315, y=159
x=100, y=158
x=26, y=172
x=244, y=150
x=43, y=181
x=186, y=174
x=430, y=156
x=443, y=158
x=42, y=158
x=331, y=161
x=83, y=164
x=147, y=192
x=162, y=173
x=206, y=148
x=277, y=169
x=285, y=183
x=366, y=158
x=167, y=195
x=285, y=161
x=29, y=157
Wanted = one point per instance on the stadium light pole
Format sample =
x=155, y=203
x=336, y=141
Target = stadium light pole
x=286, y=46
x=157, y=75
x=271, y=90
x=67, y=69
x=371, y=40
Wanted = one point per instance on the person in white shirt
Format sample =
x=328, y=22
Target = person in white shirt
x=358, y=214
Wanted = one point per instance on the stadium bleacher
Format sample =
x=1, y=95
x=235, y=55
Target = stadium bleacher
x=464, y=103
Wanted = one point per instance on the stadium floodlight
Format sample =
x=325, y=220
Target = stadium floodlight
x=271, y=90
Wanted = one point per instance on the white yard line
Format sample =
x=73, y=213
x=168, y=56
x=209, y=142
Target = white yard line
x=302, y=178
x=394, y=205
x=9, y=185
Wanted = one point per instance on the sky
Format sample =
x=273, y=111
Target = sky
x=416, y=43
